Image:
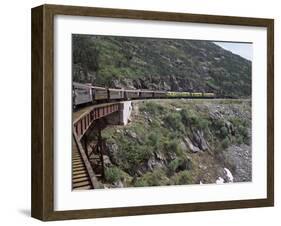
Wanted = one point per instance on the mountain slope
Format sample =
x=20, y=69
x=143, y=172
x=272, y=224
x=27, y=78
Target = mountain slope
x=160, y=64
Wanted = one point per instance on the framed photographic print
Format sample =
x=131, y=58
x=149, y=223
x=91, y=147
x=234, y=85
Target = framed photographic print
x=141, y=112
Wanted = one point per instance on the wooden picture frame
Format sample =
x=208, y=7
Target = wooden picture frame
x=43, y=108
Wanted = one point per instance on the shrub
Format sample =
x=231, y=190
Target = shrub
x=178, y=164
x=242, y=131
x=153, y=140
x=172, y=146
x=174, y=121
x=155, y=178
x=224, y=132
x=239, y=139
x=174, y=165
x=192, y=119
x=203, y=124
x=218, y=124
x=182, y=177
x=131, y=154
x=184, y=115
x=241, y=127
x=113, y=174
x=152, y=107
x=225, y=143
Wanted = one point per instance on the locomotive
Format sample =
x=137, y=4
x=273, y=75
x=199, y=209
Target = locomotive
x=86, y=93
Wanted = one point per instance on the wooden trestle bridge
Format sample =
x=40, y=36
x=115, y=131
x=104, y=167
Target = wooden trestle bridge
x=84, y=174
x=87, y=157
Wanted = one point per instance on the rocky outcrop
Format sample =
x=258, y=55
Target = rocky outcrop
x=112, y=150
x=190, y=145
x=238, y=159
x=199, y=140
x=197, y=143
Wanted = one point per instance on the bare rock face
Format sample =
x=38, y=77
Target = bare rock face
x=112, y=150
x=174, y=83
x=184, y=146
x=197, y=143
x=116, y=84
x=106, y=161
x=131, y=134
x=198, y=137
x=155, y=163
x=152, y=163
x=118, y=184
x=190, y=145
x=239, y=161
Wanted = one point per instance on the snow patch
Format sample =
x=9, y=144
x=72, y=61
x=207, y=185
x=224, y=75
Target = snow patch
x=229, y=175
x=220, y=180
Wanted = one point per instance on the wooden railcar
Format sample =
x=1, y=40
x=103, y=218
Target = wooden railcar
x=131, y=94
x=210, y=95
x=160, y=94
x=86, y=93
x=197, y=94
x=114, y=94
x=81, y=94
x=146, y=94
x=99, y=93
x=178, y=94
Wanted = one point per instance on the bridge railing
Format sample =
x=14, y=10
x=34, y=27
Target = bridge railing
x=82, y=123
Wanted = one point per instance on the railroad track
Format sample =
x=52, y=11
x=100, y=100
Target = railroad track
x=80, y=177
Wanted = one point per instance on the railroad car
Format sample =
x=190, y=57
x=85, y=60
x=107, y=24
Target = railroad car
x=160, y=94
x=179, y=94
x=114, y=94
x=210, y=95
x=196, y=94
x=86, y=93
x=81, y=94
x=131, y=94
x=99, y=93
x=146, y=93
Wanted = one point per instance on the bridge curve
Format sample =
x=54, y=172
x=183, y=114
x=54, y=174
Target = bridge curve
x=85, y=119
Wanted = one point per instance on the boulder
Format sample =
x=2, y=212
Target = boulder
x=183, y=145
x=118, y=184
x=174, y=83
x=116, y=84
x=106, y=161
x=112, y=150
x=190, y=145
x=159, y=155
x=198, y=137
x=131, y=134
x=151, y=164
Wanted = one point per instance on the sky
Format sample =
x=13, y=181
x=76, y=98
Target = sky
x=245, y=50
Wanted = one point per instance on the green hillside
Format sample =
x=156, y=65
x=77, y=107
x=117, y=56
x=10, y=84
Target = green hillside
x=160, y=64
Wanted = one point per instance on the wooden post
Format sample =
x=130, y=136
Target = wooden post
x=86, y=146
x=100, y=149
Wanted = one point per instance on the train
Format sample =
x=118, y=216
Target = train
x=86, y=93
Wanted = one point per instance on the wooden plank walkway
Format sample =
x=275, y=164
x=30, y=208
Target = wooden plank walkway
x=80, y=177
